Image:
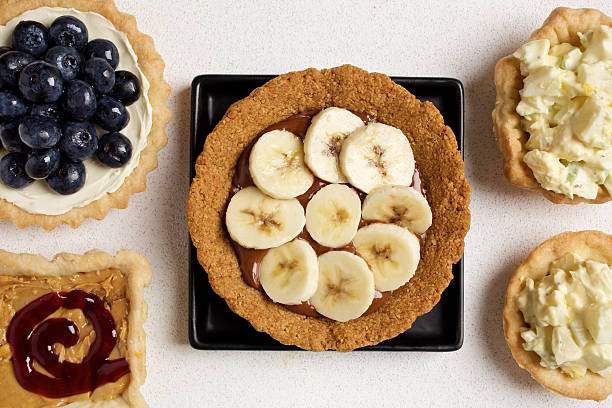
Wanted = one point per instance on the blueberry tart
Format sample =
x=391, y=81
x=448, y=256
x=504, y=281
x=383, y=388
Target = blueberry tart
x=328, y=208
x=553, y=109
x=71, y=330
x=82, y=111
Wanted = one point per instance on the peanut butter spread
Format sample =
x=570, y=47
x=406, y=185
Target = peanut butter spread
x=17, y=291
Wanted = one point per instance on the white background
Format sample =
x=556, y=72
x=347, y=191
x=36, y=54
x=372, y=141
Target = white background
x=460, y=39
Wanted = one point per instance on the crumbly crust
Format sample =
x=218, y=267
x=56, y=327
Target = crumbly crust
x=588, y=244
x=138, y=273
x=561, y=26
x=440, y=166
x=152, y=66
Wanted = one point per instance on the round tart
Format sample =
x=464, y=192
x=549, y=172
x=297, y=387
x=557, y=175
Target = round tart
x=586, y=246
x=123, y=159
x=441, y=171
x=563, y=26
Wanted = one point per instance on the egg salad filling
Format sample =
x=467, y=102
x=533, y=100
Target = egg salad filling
x=566, y=106
x=569, y=312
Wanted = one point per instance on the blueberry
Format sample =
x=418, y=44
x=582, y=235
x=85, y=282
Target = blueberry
x=12, y=170
x=11, y=64
x=11, y=105
x=114, y=150
x=100, y=75
x=3, y=50
x=31, y=37
x=127, y=87
x=102, y=49
x=41, y=163
x=39, y=132
x=66, y=59
x=111, y=115
x=69, y=177
x=49, y=110
x=79, y=140
x=41, y=82
x=9, y=136
x=79, y=102
x=68, y=31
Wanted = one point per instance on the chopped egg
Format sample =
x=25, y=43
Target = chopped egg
x=569, y=314
x=566, y=106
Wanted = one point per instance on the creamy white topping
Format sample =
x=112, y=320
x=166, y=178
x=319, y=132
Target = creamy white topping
x=566, y=104
x=38, y=198
x=569, y=312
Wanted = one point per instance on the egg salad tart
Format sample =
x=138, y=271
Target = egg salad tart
x=553, y=114
x=558, y=315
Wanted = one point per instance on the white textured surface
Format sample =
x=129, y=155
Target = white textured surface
x=457, y=39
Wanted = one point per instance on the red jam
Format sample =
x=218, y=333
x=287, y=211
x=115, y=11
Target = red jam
x=32, y=338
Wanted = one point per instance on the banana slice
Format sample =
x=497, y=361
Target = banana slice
x=333, y=214
x=377, y=154
x=346, y=286
x=289, y=274
x=392, y=252
x=323, y=142
x=277, y=165
x=257, y=221
x=400, y=205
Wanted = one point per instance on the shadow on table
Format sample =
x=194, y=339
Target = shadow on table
x=492, y=330
x=181, y=122
x=484, y=163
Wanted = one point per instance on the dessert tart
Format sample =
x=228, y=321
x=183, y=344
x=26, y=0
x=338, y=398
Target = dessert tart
x=71, y=330
x=553, y=115
x=558, y=314
x=82, y=110
x=328, y=208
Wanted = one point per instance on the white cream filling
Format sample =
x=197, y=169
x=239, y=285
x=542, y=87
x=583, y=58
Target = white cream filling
x=38, y=198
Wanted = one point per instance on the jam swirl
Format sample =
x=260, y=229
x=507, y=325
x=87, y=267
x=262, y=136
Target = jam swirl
x=32, y=339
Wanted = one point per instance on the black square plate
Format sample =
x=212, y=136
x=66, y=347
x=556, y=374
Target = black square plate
x=213, y=326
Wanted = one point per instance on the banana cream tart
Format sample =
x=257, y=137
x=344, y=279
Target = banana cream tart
x=332, y=212
x=308, y=215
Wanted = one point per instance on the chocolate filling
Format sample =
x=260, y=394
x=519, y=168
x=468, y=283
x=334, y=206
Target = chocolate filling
x=250, y=259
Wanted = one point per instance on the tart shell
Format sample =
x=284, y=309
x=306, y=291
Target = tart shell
x=588, y=244
x=440, y=166
x=152, y=65
x=138, y=276
x=561, y=26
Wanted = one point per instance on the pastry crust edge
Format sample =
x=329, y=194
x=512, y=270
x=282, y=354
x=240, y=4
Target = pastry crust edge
x=561, y=26
x=352, y=88
x=138, y=272
x=590, y=244
x=152, y=65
